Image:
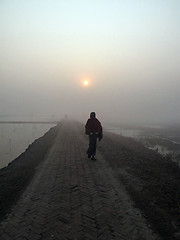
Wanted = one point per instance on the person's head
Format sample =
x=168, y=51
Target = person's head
x=92, y=115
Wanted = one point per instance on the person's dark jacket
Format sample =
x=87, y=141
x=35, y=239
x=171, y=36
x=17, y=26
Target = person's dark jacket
x=93, y=125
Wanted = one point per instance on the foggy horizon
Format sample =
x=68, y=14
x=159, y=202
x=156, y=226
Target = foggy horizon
x=128, y=51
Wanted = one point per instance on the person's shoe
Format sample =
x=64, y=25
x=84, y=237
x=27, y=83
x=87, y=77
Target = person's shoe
x=89, y=156
x=93, y=158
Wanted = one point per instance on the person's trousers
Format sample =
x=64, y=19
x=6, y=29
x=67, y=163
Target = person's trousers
x=92, y=144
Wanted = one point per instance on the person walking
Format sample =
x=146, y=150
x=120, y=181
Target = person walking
x=93, y=128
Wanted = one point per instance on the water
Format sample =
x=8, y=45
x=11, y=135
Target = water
x=15, y=138
x=125, y=132
x=160, y=139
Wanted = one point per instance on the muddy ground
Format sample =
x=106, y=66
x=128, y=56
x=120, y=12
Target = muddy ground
x=151, y=180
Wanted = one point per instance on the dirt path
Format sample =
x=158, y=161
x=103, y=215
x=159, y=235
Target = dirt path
x=72, y=197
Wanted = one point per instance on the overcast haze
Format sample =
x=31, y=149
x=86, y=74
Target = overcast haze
x=128, y=50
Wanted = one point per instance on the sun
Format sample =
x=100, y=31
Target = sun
x=85, y=83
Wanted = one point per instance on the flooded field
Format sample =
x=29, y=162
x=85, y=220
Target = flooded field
x=15, y=138
x=164, y=140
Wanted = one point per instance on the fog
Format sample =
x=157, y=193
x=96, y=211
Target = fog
x=129, y=51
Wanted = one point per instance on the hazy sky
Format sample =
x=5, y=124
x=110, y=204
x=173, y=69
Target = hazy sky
x=128, y=50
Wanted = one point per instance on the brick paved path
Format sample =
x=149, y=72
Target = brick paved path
x=72, y=197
